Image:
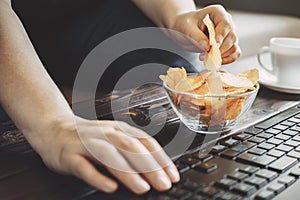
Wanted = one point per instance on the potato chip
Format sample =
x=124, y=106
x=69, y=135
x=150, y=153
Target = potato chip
x=251, y=74
x=176, y=74
x=166, y=79
x=231, y=80
x=213, y=59
x=212, y=111
x=233, y=107
x=191, y=83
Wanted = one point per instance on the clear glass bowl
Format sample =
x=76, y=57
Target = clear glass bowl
x=210, y=114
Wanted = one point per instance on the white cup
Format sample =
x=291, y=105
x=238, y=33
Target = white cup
x=285, y=60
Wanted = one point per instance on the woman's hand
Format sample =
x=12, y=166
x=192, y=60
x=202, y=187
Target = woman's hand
x=131, y=155
x=191, y=24
x=49, y=125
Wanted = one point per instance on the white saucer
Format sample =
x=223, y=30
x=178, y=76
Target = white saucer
x=270, y=81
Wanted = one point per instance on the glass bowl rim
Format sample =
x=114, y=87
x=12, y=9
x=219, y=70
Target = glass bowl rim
x=248, y=93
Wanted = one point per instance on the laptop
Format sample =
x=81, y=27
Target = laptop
x=258, y=159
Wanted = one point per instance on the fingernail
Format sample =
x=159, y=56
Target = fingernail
x=174, y=174
x=219, y=41
x=110, y=187
x=202, y=57
x=204, y=45
x=142, y=187
x=164, y=182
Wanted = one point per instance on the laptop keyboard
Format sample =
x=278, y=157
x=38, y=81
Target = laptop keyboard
x=258, y=163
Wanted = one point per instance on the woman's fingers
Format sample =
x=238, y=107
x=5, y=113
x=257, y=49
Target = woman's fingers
x=222, y=30
x=154, y=149
x=127, y=151
x=84, y=170
x=225, y=33
x=232, y=54
x=199, y=39
x=110, y=157
x=139, y=158
x=162, y=158
x=221, y=19
x=131, y=180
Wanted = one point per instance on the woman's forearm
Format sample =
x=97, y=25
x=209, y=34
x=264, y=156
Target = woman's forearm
x=163, y=12
x=27, y=92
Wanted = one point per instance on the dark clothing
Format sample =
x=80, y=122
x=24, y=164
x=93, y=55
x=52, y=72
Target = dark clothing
x=63, y=32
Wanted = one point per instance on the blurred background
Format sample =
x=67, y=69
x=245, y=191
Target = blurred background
x=285, y=7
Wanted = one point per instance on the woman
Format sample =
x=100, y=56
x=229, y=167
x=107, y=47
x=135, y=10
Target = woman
x=53, y=39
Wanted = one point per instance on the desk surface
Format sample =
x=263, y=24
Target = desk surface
x=24, y=176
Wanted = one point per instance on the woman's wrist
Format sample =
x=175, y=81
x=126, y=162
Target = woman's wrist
x=48, y=130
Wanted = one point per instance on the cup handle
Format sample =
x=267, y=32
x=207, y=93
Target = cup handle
x=264, y=50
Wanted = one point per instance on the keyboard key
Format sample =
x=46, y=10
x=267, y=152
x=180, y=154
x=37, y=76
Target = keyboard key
x=248, y=169
x=257, y=151
x=206, y=158
x=226, y=183
x=161, y=197
x=280, y=127
x=191, y=185
x=218, y=148
x=276, y=187
x=229, y=153
x=277, y=119
x=295, y=128
x=188, y=160
x=244, y=189
x=294, y=119
x=203, y=157
x=256, y=139
x=265, y=195
x=295, y=172
x=256, y=160
x=179, y=193
x=206, y=167
x=273, y=131
x=229, y=196
x=248, y=144
x=256, y=181
x=282, y=136
x=298, y=148
x=284, y=148
x=297, y=138
x=264, y=135
x=292, y=143
x=274, y=141
x=275, y=153
x=241, y=136
x=243, y=146
x=238, y=175
x=287, y=180
x=283, y=163
x=210, y=191
x=287, y=123
x=266, y=146
x=264, y=173
x=181, y=167
x=230, y=142
x=253, y=130
x=294, y=154
x=197, y=197
x=290, y=132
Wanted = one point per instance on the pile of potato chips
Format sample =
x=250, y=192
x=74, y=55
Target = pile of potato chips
x=212, y=94
x=193, y=91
